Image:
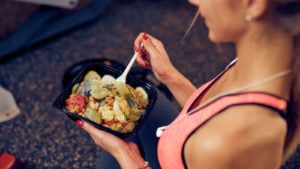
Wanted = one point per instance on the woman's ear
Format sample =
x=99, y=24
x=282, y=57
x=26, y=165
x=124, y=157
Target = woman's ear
x=256, y=8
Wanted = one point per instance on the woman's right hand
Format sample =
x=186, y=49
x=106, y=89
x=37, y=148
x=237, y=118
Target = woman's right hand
x=154, y=56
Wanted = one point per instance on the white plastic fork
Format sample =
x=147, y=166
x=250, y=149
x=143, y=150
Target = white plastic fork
x=123, y=76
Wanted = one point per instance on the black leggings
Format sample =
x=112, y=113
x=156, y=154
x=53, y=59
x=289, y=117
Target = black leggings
x=162, y=114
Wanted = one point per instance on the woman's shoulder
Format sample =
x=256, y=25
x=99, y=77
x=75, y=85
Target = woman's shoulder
x=240, y=137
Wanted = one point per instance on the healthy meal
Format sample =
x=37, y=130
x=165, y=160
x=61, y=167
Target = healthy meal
x=105, y=101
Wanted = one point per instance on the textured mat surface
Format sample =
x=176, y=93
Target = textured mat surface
x=43, y=137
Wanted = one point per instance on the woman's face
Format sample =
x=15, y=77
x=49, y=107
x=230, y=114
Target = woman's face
x=224, y=18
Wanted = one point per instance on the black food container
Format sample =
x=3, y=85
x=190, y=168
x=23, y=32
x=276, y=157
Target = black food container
x=103, y=69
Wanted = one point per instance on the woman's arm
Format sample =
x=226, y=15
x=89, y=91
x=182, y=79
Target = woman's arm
x=154, y=55
x=180, y=87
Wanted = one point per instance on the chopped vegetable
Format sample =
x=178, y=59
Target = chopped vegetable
x=112, y=104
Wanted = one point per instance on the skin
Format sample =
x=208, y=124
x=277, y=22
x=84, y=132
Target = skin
x=241, y=136
x=253, y=148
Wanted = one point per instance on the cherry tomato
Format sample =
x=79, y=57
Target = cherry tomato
x=76, y=99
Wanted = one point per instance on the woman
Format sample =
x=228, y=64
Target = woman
x=247, y=117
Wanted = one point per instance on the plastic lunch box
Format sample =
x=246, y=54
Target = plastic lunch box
x=103, y=69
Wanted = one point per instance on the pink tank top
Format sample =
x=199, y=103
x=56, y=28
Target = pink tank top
x=174, y=136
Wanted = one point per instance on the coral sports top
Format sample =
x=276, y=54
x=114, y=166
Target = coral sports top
x=174, y=136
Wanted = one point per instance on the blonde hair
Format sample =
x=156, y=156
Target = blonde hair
x=188, y=30
x=288, y=14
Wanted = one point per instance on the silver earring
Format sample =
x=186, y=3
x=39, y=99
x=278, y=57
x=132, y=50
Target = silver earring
x=248, y=17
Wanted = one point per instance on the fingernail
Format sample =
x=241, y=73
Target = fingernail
x=147, y=64
x=136, y=48
x=79, y=123
x=143, y=65
x=145, y=36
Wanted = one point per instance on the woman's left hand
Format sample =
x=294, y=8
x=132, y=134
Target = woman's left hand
x=126, y=153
